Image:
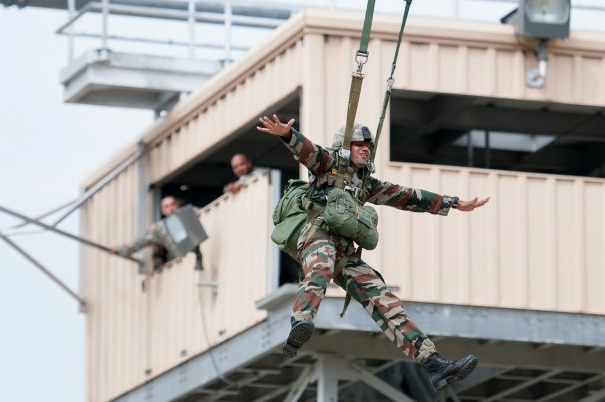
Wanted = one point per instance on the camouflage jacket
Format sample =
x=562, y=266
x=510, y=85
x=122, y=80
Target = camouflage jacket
x=323, y=163
x=157, y=237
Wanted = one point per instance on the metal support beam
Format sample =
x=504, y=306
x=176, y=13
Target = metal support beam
x=516, y=388
x=378, y=384
x=21, y=228
x=596, y=397
x=477, y=322
x=141, y=39
x=64, y=233
x=141, y=11
x=570, y=388
x=330, y=369
x=45, y=271
x=142, y=191
x=298, y=387
x=452, y=322
x=273, y=252
x=97, y=187
x=480, y=375
x=327, y=370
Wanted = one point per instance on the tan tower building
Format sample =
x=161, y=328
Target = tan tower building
x=519, y=283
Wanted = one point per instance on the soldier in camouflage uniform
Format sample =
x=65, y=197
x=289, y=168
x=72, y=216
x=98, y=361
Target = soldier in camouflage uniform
x=245, y=172
x=320, y=249
x=156, y=236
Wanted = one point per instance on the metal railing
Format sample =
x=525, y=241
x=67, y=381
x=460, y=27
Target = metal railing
x=190, y=14
x=252, y=14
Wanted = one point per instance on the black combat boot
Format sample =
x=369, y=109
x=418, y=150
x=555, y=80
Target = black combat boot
x=299, y=334
x=443, y=372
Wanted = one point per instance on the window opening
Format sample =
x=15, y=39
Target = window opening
x=526, y=136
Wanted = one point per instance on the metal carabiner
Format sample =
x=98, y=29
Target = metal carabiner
x=390, y=82
x=361, y=59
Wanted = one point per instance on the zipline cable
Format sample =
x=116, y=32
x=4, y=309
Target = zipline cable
x=219, y=373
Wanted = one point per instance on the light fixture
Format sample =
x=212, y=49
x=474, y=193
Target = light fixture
x=544, y=19
x=185, y=231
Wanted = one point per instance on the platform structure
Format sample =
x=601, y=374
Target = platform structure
x=348, y=360
x=156, y=68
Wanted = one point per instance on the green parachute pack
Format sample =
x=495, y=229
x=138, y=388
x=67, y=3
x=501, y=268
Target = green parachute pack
x=289, y=218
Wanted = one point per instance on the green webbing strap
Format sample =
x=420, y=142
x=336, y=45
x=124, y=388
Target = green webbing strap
x=387, y=94
x=361, y=58
x=357, y=79
x=344, y=152
x=367, y=27
x=390, y=80
x=385, y=103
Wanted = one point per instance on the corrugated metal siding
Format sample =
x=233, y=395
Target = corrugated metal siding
x=236, y=257
x=227, y=112
x=473, y=67
x=130, y=330
x=538, y=244
x=115, y=305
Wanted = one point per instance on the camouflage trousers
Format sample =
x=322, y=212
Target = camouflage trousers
x=318, y=254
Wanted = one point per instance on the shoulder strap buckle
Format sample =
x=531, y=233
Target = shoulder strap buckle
x=344, y=153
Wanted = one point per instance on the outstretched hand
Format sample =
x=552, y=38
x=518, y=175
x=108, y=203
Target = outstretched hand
x=275, y=127
x=472, y=204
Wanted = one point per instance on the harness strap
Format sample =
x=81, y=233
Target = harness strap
x=387, y=95
x=313, y=211
x=344, y=152
x=367, y=27
x=356, y=80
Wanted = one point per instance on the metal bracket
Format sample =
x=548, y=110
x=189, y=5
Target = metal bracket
x=536, y=77
x=344, y=153
x=361, y=59
x=201, y=283
x=371, y=166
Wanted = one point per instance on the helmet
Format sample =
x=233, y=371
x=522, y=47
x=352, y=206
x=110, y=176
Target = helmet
x=360, y=133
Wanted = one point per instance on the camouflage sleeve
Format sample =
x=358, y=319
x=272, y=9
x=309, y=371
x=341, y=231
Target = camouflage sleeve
x=409, y=199
x=148, y=239
x=314, y=157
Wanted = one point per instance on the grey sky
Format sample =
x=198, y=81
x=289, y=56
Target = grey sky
x=47, y=148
